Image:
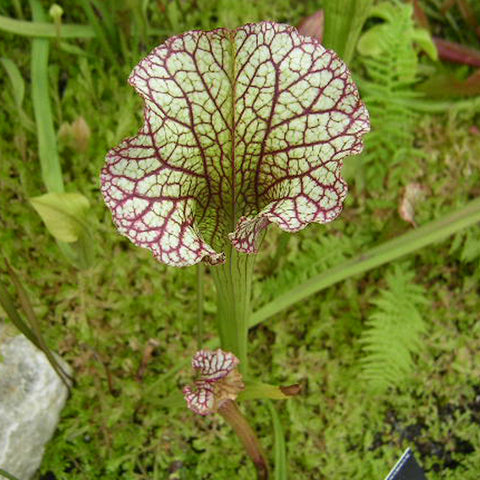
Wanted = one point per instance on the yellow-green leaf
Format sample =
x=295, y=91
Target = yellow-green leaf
x=63, y=214
x=255, y=390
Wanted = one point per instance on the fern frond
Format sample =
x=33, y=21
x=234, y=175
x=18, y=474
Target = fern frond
x=391, y=75
x=394, y=331
x=467, y=245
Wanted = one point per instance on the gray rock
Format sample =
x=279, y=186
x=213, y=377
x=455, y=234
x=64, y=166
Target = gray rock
x=31, y=398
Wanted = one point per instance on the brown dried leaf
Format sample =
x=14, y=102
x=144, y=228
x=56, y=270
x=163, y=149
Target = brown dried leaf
x=313, y=25
x=76, y=134
x=412, y=195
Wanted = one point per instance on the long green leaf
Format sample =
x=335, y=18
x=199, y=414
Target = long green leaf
x=418, y=104
x=47, y=142
x=7, y=475
x=280, y=454
x=43, y=29
x=387, y=252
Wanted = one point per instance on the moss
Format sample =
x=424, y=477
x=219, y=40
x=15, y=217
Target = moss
x=114, y=425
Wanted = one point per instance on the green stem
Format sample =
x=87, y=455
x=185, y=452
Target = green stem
x=233, y=281
x=200, y=301
x=384, y=253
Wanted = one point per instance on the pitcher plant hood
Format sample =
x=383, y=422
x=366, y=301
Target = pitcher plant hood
x=219, y=381
x=243, y=128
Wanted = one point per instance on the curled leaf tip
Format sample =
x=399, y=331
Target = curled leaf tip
x=243, y=128
x=291, y=390
x=218, y=381
x=213, y=365
x=200, y=398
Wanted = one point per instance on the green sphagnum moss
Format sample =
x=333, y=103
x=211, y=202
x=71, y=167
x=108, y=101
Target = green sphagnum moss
x=114, y=427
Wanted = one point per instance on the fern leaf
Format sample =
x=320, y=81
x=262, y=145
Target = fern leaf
x=394, y=331
x=392, y=70
x=467, y=245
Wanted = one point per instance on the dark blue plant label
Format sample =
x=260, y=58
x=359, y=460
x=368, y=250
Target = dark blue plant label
x=406, y=468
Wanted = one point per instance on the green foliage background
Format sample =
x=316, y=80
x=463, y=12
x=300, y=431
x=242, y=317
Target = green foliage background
x=350, y=421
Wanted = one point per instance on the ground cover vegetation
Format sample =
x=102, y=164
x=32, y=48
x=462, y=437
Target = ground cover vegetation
x=387, y=357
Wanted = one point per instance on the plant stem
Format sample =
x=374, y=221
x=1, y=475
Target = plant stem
x=238, y=422
x=233, y=281
x=200, y=300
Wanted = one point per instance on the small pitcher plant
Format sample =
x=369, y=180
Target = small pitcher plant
x=243, y=128
x=216, y=390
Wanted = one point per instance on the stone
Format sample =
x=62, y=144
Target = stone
x=31, y=399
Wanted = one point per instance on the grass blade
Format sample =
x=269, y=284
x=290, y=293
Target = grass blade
x=44, y=29
x=47, y=141
x=5, y=474
x=74, y=49
x=108, y=13
x=34, y=326
x=280, y=453
x=100, y=31
x=7, y=303
x=18, y=8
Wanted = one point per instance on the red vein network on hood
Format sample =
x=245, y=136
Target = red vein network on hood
x=243, y=128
